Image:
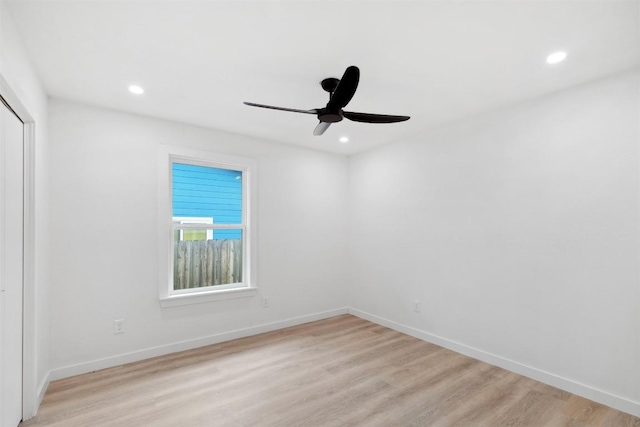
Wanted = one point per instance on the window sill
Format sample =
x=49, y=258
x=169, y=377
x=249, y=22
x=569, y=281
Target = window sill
x=210, y=296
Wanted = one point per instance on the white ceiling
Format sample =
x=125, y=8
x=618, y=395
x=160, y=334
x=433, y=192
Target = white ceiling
x=437, y=61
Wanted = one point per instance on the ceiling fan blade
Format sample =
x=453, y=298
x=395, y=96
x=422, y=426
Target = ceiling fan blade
x=373, y=118
x=293, y=110
x=321, y=127
x=345, y=90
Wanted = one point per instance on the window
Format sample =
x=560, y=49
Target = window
x=206, y=205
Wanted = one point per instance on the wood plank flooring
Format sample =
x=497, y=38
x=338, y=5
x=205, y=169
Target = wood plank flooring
x=342, y=371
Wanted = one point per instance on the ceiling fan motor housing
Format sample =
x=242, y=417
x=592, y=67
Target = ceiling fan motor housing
x=329, y=116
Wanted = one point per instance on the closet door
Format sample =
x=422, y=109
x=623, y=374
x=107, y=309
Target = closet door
x=11, y=266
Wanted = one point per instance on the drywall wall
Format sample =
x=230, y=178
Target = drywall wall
x=518, y=232
x=22, y=80
x=104, y=237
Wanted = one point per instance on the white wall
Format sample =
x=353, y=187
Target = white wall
x=518, y=233
x=104, y=253
x=17, y=71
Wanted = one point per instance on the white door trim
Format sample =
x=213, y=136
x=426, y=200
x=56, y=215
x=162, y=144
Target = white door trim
x=30, y=399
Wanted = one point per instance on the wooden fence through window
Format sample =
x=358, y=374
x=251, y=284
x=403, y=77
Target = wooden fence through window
x=199, y=263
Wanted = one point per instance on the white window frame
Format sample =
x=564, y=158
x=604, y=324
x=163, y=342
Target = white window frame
x=194, y=220
x=169, y=297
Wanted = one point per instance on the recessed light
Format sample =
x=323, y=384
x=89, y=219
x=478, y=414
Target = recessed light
x=344, y=139
x=556, y=57
x=135, y=89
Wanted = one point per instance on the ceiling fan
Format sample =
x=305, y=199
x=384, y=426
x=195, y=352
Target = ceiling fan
x=340, y=93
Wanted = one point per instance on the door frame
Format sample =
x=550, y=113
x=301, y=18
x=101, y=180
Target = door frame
x=31, y=395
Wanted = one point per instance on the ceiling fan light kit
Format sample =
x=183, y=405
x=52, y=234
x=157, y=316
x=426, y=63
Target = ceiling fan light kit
x=340, y=93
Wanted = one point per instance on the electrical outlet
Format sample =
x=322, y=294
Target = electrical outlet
x=265, y=302
x=416, y=306
x=118, y=326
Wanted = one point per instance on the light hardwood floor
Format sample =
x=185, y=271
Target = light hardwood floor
x=342, y=371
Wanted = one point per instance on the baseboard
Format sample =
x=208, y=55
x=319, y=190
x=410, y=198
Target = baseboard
x=42, y=388
x=29, y=411
x=589, y=392
x=108, y=362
